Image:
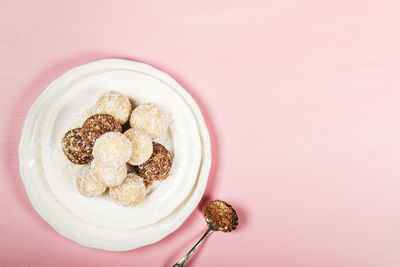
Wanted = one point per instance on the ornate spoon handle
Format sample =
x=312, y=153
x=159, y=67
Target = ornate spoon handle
x=183, y=261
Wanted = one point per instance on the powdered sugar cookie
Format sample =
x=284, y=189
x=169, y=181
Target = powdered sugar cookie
x=112, y=149
x=130, y=192
x=88, y=186
x=109, y=176
x=115, y=104
x=150, y=118
x=142, y=147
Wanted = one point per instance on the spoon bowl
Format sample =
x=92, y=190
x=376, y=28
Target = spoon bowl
x=220, y=216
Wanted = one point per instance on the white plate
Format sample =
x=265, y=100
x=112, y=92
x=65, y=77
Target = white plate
x=98, y=222
x=74, y=97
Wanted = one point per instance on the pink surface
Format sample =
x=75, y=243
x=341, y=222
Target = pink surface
x=301, y=99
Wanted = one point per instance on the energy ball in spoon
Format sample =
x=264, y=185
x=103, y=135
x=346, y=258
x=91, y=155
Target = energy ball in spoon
x=115, y=104
x=142, y=147
x=222, y=215
x=151, y=119
x=112, y=149
x=131, y=192
x=97, y=125
x=87, y=185
x=109, y=176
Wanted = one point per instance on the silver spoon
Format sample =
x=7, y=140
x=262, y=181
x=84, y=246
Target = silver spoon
x=220, y=216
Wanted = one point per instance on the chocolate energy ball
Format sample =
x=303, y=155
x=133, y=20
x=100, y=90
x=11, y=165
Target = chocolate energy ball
x=97, y=125
x=157, y=167
x=75, y=149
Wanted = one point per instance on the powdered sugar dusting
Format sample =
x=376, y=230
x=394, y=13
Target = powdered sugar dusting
x=109, y=176
x=115, y=104
x=87, y=186
x=130, y=192
x=151, y=119
x=112, y=149
x=142, y=147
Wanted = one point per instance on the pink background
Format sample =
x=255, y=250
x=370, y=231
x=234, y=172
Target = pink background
x=302, y=101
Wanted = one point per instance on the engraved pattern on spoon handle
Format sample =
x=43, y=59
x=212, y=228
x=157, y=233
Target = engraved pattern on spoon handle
x=183, y=261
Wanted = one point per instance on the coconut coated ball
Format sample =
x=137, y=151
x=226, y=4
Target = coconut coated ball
x=87, y=185
x=109, y=176
x=115, y=104
x=151, y=119
x=131, y=192
x=112, y=149
x=142, y=147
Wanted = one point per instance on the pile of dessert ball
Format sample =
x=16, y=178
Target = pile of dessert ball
x=107, y=152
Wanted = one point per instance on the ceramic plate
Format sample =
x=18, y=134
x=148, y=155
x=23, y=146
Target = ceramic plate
x=50, y=179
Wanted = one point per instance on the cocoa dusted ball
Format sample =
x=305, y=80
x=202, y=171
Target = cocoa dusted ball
x=97, y=125
x=157, y=167
x=74, y=148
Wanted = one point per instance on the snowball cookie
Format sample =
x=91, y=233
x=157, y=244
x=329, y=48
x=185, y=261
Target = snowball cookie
x=112, y=149
x=74, y=147
x=142, y=147
x=97, y=125
x=115, y=104
x=130, y=192
x=87, y=186
x=108, y=176
x=157, y=167
x=150, y=118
